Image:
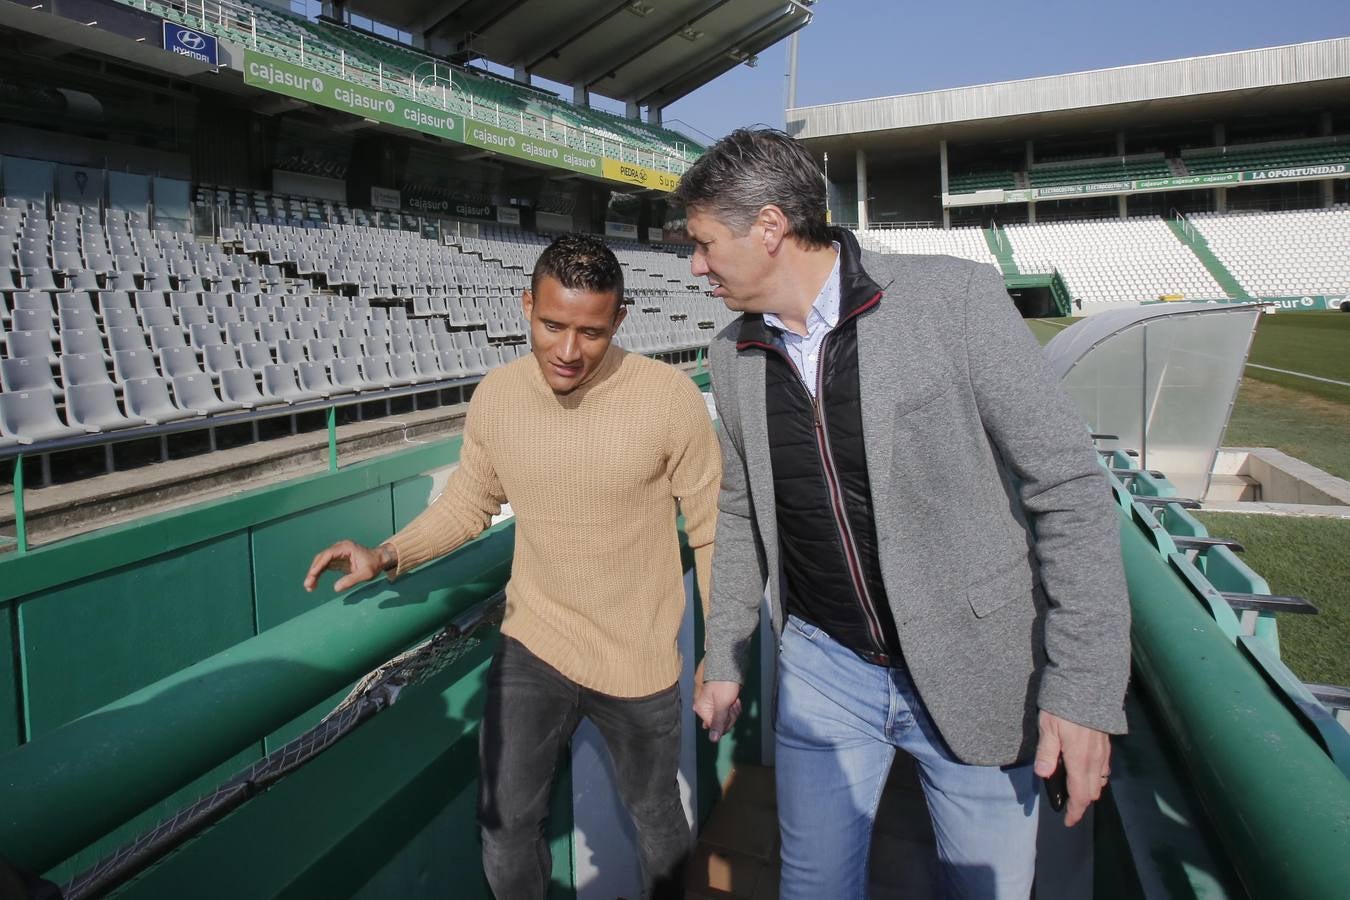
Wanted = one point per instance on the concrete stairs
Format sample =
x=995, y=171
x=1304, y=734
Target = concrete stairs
x=1188, y=235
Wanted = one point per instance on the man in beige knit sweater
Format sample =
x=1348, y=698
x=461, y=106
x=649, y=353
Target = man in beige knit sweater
x=592, y=447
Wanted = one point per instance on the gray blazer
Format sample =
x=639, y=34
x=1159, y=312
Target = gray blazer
x=999, y=538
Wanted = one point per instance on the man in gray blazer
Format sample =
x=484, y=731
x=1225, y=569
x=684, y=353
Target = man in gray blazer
x=937, y=536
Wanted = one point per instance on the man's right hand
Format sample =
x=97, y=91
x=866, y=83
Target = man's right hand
x=718, y=704
x=360, y=564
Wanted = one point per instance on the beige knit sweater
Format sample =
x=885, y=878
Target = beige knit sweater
x=596, y=588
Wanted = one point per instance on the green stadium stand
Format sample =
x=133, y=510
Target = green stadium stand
x=968, y=182
x=1283, y=154
x=1090, y=171
x=333, y=49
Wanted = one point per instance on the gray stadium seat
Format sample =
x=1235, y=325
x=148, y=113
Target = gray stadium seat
x=29, y=416
x=117, y=317
x=153, y=317
x=129, y=364
x=94, y=408
x=175, y=361
x=472, y=358
x=314, y=377
x=164, y=336
x=376, y=372
x=73, y=318
x=255, y=355
x=149, y=399
x=197, y=392
x=120, y=339
x=34, y=320
x=429, y=366
x=40, y=279
x=84, y=340
x=279, y=381
x=451, y=364
x=83, y=368
x=204, y=335
x=346, y=373
x=240, y=386
x=220, y=357
x=403, y=366
x=290, y=353
x=31, y=345
x=27, y=374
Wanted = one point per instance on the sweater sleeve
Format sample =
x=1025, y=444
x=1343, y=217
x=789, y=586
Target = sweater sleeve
x=694, y=468
x=472, y=496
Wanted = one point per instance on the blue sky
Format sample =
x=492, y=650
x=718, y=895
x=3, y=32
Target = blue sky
x=873, y=48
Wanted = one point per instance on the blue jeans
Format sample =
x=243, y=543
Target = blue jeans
x=839, y=723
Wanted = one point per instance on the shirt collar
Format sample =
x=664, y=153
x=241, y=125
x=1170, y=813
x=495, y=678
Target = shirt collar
x=825, y=309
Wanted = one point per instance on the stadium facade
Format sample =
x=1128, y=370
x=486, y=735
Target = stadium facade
x=1266, y=128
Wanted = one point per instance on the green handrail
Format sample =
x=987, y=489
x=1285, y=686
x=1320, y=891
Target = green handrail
x=66, y=789
x=1278, y=803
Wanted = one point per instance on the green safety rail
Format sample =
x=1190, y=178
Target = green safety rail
x=1268, y=766
x=1266, y=772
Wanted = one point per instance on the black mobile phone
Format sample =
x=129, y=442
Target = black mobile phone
x=1057, y=787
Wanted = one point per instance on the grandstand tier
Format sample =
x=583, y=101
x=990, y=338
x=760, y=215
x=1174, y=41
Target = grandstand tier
x=108, y=324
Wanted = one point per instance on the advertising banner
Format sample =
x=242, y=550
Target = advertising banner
x=631, y=173
x=1187, y=181
x=508, y=215
x=385, y=198
x=621, y=230
x=272, y=74
x=346, y=96
x=192, y=44
x=532, y=149
x=1298, y=173
x=1148, y=185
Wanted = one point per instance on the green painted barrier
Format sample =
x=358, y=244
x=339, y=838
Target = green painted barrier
x=71, y=786
x=1278, y=803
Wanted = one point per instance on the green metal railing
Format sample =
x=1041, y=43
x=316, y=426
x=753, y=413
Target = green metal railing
x=121, y=759
x=1277, y=798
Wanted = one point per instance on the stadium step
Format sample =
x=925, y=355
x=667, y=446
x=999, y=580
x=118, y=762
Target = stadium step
x=1002, y=250
x=1188, y=235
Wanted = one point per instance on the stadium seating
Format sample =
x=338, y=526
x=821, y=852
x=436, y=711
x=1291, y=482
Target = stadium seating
x=1239, y=157
x=1108, y=262
x=1278, y=254
x=1196, y=161
x=1098, y=170
x=107, y=323
x=335, y=50
x=966, y=243
x=968, y=182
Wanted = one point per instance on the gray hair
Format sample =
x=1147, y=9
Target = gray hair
x=752, y=168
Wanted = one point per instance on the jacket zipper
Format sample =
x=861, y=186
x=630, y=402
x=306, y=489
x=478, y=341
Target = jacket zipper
x=846, y=539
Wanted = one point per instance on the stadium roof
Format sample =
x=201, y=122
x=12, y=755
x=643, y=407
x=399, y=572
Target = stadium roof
x=1273, y=79
x=649, y=51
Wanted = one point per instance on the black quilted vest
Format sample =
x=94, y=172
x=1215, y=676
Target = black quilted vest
x=826, y=529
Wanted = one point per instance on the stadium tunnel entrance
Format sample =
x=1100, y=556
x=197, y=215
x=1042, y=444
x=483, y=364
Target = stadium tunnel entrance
x=1034, y=302
x=1039, y=295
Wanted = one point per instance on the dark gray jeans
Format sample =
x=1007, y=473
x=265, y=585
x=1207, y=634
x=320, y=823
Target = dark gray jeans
x=531, y=711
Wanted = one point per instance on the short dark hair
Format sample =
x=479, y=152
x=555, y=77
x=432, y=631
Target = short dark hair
x=580, y=262
x=752, y=168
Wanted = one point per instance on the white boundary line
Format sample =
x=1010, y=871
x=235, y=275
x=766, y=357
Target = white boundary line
x=1299, y=374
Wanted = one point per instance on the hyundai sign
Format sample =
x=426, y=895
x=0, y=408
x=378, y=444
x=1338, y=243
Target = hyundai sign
x=189, y=43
